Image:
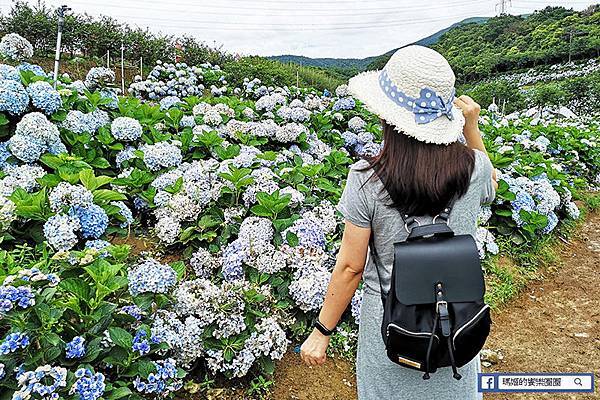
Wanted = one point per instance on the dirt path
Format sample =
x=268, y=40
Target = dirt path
x=552, y=326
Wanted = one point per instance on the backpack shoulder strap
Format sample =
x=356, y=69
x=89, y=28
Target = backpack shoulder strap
x=377, y=263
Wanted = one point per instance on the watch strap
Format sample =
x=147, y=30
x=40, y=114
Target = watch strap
x=317, y=324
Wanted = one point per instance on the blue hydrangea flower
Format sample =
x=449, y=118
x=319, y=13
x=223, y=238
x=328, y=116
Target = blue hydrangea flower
x=76, y=348
x=96, y=119
x=310, y=234
x=124, y=212
x=308, y=289
x=13, y=342
x=92, y=218
x=572, y=210
x=134, y=311
x=9, y=72
x=44, y=381
x=4, y=154
x=168, y=102
x=345, y=103
x=109, y=94
x=15, y=47
x=161, y=155
x=187, y=121
x=98, y=245
x=44, y=97
x=57, y=148
x=140, y=342
x=162, y=382
x=88, y=386
x=350, y=139
x=36, y=69
x=79, y=122
x=356, y=304
x=140, y=203
x=13, y=97
x=523, y=201
x=25, y=148
x=150, y=276
x=233, y=256
x=99, y=76
x=11, y=296
x=126, y=129
x=34, y=134
x=552, y=222
x=60, y=230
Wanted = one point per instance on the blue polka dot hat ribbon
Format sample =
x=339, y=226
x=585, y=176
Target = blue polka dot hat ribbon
x=427, y=107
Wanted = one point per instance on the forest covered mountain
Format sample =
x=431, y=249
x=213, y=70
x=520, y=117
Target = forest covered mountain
x=478, y=47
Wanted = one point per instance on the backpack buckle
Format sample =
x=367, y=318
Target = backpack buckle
x=410, y=221
x=444, y=215
x=443, y=303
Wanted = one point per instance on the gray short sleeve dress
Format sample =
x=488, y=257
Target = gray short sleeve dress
x=363, y=204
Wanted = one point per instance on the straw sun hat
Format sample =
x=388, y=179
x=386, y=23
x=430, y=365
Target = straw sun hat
x=414, y=93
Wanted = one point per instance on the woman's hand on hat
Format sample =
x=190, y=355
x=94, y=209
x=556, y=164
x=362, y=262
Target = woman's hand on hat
x=469, y=108
x=313, y=350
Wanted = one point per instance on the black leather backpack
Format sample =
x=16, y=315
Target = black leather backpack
x=434, y=314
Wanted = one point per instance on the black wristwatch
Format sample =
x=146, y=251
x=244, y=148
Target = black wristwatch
x=317, y=324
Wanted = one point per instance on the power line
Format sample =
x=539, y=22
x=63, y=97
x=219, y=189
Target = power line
x=349, y=25
x=295, y=3
x=313, y=27
x=337, y=13
x=293, y=10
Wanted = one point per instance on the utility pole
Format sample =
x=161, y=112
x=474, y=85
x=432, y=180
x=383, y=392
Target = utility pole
x=122, y=69
x=570, y=42
x=502, y=6
x=570, y=34
x=141, y=68
x=61, y=22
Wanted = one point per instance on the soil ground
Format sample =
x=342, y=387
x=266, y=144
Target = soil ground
x=553, y=325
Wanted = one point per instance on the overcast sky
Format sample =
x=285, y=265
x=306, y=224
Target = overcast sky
x=313, y=28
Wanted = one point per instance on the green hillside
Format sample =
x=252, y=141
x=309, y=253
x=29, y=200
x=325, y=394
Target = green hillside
x=509, y=43
x=432, y=39
x=357, y=63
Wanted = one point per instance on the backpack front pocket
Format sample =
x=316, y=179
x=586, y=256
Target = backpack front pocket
x=408, y=348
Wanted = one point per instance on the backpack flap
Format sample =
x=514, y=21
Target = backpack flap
x=453, y=260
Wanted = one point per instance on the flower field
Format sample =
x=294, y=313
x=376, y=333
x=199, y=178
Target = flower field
x=235, y=187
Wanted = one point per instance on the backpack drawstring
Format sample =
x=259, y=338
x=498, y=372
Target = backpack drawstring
x=455, y=373
x=435, y=322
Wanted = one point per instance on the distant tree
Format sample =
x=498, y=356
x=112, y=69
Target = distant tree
x=547, y=94
x=501, y=91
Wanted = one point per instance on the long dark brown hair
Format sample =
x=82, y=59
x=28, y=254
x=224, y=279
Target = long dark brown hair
x=421, y=178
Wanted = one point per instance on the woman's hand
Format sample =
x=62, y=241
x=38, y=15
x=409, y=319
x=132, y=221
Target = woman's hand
x=469, y=108
x=314, y=347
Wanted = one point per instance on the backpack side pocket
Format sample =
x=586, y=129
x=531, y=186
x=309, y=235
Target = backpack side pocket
x=469, y=339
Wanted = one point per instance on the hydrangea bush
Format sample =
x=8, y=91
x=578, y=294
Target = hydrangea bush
x=236, y=190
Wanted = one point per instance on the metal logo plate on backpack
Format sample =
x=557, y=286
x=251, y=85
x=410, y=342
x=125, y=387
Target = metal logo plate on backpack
x=409, y=362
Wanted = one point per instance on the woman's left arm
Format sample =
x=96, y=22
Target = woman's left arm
x=345, y=278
